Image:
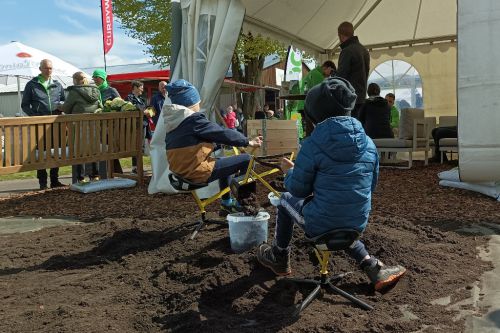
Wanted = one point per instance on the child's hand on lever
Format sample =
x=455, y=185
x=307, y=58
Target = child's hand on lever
x=286, y=165
x=255, y=142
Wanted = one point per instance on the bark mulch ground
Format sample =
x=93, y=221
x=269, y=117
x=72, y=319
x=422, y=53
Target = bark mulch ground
x=127, y=268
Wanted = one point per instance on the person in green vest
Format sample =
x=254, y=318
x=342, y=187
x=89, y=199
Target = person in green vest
x=107, y=93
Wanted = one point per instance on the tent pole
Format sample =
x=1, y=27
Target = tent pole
x=19, y=95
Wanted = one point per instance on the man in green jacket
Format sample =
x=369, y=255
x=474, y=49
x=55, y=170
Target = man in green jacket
x=44, y=96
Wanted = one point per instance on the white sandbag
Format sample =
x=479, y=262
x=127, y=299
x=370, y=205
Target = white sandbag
x=491, y=191
x=453, y=175
x=104, y=184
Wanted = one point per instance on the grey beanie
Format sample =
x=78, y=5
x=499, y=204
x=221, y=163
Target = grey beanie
x=333, y=97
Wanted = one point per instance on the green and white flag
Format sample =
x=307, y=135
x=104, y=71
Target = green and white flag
x=293, y=69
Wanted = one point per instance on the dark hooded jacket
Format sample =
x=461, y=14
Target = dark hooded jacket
x=354, y=66
x=38, y=101
x=375, y=115
x=338, y=165
x=82, y=99
x=190, y=142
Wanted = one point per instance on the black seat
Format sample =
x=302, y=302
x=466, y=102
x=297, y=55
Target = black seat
x=181, y=184
x=335, y=240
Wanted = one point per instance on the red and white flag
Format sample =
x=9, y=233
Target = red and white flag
x=107, y=24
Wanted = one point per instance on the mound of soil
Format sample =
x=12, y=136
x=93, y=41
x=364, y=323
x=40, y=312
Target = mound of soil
x=129, y=269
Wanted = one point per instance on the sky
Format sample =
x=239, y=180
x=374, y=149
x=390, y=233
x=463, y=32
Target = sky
x=68, y=29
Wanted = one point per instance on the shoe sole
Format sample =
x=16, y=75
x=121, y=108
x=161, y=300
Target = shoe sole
x=272, y=269
x=393, y=279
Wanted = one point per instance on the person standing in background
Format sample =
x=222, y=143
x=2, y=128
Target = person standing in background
x=354, y=63
x=44, y=96
x=394, y=114
x=135, y=97
x=83, y=98
x=108, y=93
x=158, y=100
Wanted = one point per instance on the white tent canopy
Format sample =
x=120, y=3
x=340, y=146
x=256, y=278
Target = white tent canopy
x=19, y=63
x=19, y=60
x=312, y=25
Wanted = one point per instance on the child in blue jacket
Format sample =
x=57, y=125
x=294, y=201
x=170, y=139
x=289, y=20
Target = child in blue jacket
x=336, y=170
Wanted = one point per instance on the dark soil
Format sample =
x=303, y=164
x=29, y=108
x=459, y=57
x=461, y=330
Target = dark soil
x=128, y=268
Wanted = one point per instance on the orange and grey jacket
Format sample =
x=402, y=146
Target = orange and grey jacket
x=190, y=141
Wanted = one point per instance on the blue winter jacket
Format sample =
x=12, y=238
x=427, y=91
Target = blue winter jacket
x=338, y=166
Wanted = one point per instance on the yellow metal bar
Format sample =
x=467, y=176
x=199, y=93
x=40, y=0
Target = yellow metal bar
x=249, y=169
x=213, y=198
x=200, y=203
x=265, y=183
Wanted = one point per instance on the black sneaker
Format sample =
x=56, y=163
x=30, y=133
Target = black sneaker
x=383, y=276
x=57, y=184
x=43, y=187
x=231, y=209
x=279, y=263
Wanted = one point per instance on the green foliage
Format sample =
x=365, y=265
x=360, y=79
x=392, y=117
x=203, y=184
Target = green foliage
x=149, y=22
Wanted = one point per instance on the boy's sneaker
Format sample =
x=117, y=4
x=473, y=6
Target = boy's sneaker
x=274, y=259
x=383, y=276
x=229, y=206
x=229, y=209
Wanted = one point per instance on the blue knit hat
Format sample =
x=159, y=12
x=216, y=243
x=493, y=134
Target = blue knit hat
x=183, y=93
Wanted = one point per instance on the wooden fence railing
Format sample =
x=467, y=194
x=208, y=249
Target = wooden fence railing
x=32, y=143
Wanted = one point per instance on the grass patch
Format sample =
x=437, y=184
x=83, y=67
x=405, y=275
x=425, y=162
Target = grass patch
x=64, y=171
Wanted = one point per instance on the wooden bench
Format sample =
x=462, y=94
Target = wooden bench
x=33, y=143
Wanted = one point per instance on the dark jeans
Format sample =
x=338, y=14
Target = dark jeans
x=87, y=169
x=226, y=167
x=42, y=176
x=441, y=133
x=290, y=213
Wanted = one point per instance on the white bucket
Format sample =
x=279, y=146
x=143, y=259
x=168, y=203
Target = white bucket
x=246, y=232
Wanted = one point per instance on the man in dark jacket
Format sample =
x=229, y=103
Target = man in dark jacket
x=354, y=63
x=375, y=115
x=44, y=96
x=330, y=184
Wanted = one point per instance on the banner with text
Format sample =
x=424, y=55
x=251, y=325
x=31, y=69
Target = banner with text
x=107, y=24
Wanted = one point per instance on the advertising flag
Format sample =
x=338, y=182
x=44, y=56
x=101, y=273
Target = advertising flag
x=107, y=24
x=293, y=69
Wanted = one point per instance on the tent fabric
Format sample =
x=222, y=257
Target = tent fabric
x=19, y=63
x=478, y=86
x=377, y=23
x=302, y=23
x=19, y=60
x=209, y=34
x=437, y=66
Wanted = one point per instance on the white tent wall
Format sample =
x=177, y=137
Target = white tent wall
x=478, y=88
x=312, y=25
x=210, y=29
x=9, y=104
x=437, y=66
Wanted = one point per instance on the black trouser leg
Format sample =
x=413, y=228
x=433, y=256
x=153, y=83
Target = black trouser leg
x=54, y=175
x=42, y=177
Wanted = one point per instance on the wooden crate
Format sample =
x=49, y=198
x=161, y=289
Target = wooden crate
x=280, y=136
